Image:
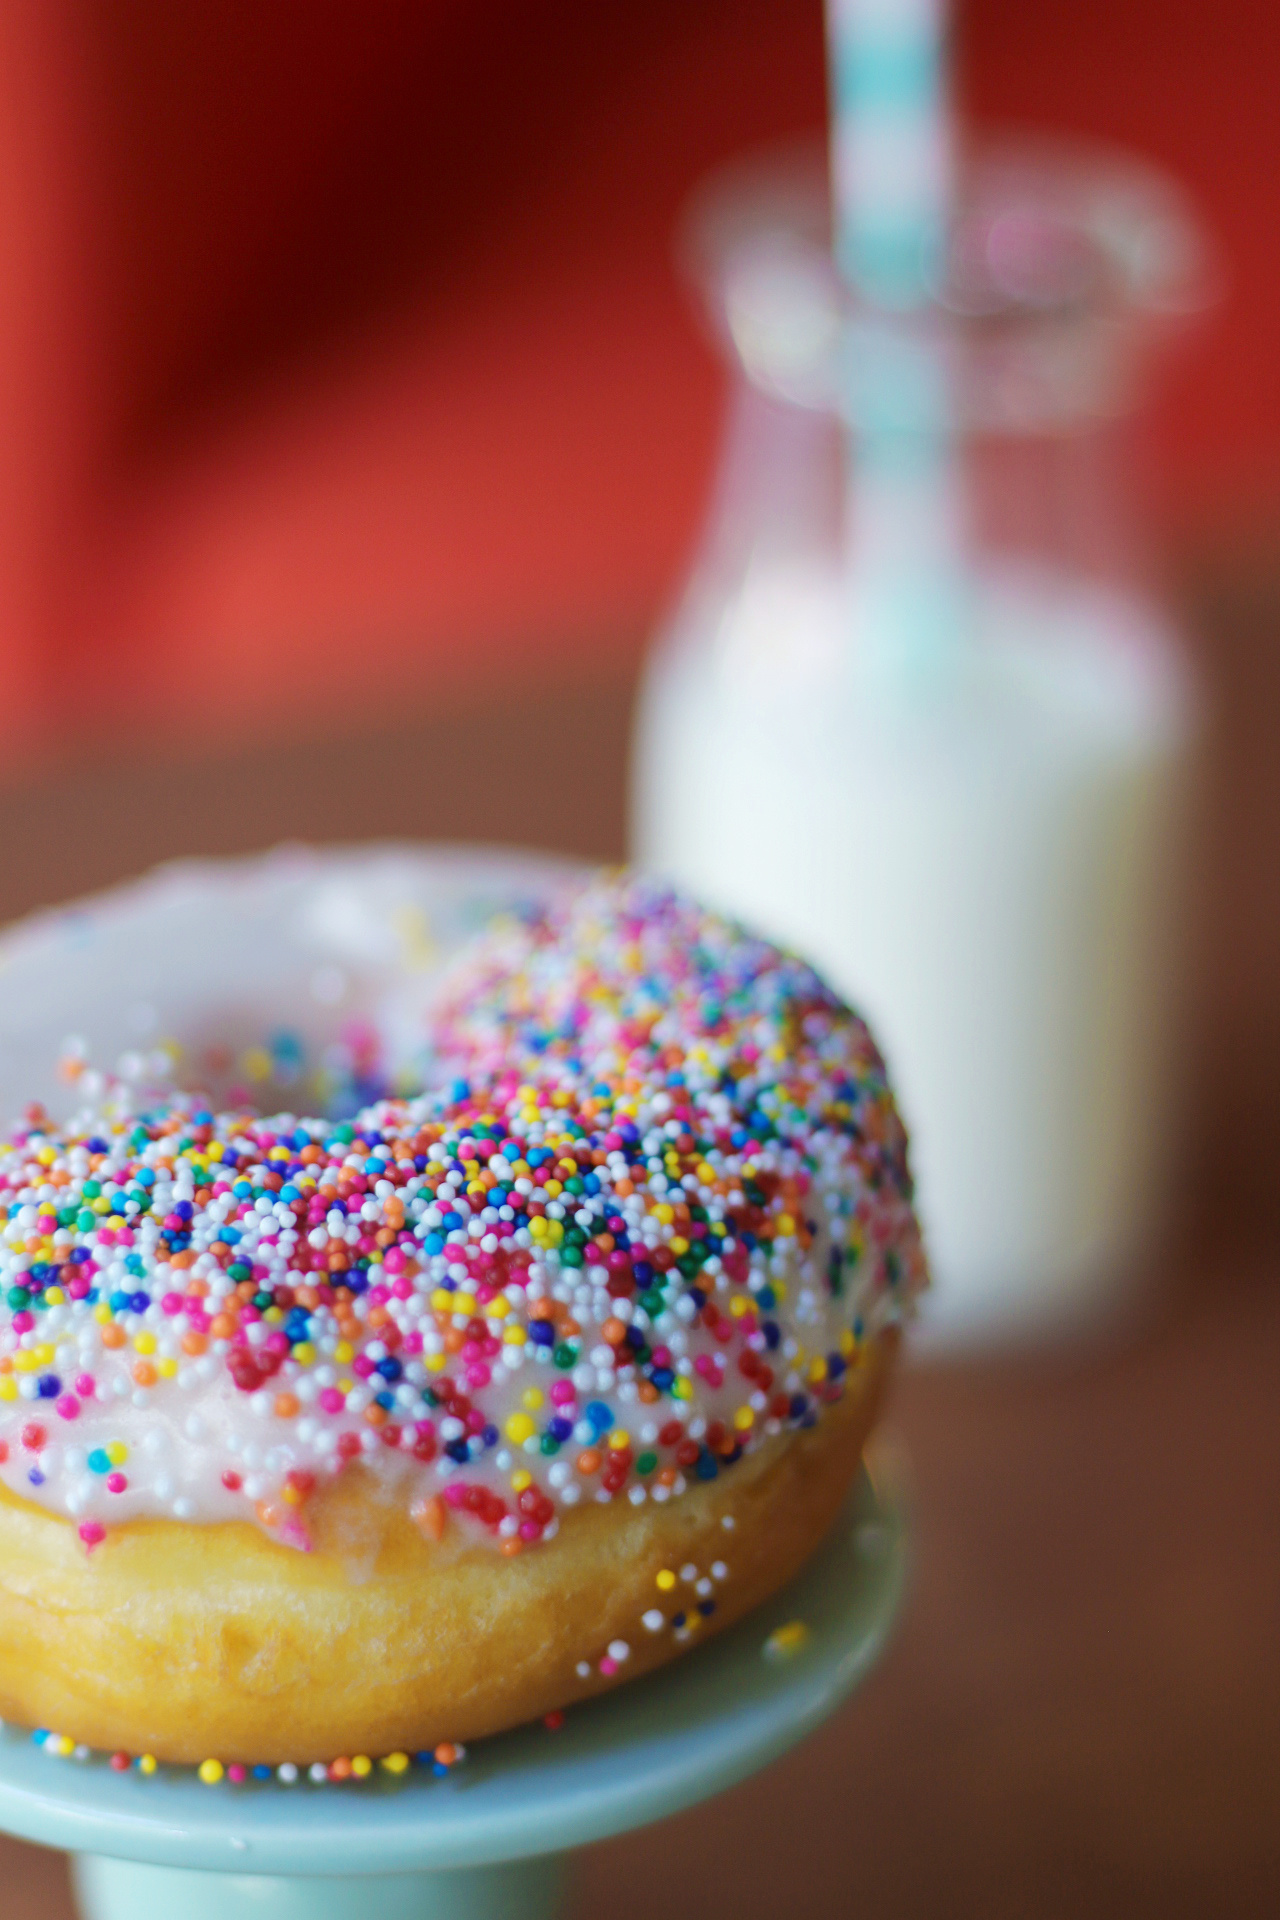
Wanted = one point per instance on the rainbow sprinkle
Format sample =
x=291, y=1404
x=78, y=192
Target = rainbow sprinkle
x=649, y=1216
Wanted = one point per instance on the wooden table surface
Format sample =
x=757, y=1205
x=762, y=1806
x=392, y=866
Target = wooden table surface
x=1081, y=1712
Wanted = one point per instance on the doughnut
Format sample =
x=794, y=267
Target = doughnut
x=368, y=1436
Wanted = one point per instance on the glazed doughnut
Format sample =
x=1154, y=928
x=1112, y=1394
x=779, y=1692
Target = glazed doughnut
x=330, y=1438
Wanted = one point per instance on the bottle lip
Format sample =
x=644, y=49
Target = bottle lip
x=1070, y=267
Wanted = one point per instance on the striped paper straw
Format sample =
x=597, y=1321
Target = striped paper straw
x=892, y=172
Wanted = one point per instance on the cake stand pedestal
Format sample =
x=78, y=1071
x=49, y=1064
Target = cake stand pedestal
x=490, y=1841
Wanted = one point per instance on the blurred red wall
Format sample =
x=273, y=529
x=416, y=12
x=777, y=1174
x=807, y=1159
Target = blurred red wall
x=338, y=339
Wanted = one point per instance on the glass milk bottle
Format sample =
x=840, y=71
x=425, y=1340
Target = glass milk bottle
x=980, y=845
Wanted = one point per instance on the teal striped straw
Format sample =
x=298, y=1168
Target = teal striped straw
x=892, y=182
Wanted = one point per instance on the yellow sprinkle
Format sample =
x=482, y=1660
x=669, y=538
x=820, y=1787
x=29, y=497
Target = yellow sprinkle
x=145, y=1343
x=344, y=1353
x=786, y=1223
x=554, y=1189
x=681, y=1389
x=666, y=1579
x=520, y=1428
x=256, y=1062
x=304, y=1353
x=361, y=1766
x=739, y=1305
x=437, y=1362
x=679, y=1244
x=46, y=1156
x=664, y=1213
x=211, y=1772
x=744, y=1419
x=273, y=1316
x=514, y=1337
x=785, y=1642
x=147, y=1763
x=464, y=1303
x=394, y=1762
x=498, y=1309
x=619, y=1439
x=54, y=1296
x=166, y=1369
x=521, y=1480
x=346, y=1386
x=818, y=1370
x=8, y=1387
x=117, y=1453
x=847, y=1342
x=533, y=1398
x=27, y=1361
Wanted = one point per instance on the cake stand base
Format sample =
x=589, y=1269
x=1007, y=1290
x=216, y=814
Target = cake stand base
x=125, y=1889
x=491, y=1841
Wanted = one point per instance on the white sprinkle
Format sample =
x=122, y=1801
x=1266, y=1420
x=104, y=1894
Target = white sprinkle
x=287, y=1772
x=653, y=1620
x=582, y=1670
x=619, y=1650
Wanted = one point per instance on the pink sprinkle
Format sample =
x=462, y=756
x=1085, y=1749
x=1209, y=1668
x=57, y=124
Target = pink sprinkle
x=608, y=1666
x=456, y=1493
x=23, y=1321
x=78, y=1288
x=362, y=1366
x=86, y=1386
x=236, y=1773
x=116, y=1483
x=68, y=1406
x=331, y=1401
x=92, y=1533
x=378, y=1296
x=402, y=1288
x=413, y=1343
x=393, y=1260
x=561, y=1393
x=172, y=1303
x=530, y=1530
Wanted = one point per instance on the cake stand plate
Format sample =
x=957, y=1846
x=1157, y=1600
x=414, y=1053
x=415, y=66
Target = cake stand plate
x=489, y=1841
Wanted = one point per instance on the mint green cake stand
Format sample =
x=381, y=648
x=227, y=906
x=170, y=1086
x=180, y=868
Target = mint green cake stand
x=491, y=1840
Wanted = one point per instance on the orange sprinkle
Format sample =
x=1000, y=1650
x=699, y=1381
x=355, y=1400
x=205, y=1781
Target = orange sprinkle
x=588, y=1460
x=269, y=1515
x=113, y=1335
x=223, y=1325
x=144, y=1373
x=194, y=1343
x=446, y=1753
x=511, y=1548
x=430, y=1515
x=286, y=1405
x=340, y=1769
x=375, y=1415
x=613, y=1331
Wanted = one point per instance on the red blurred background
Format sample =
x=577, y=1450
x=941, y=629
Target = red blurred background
x=335, y=338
